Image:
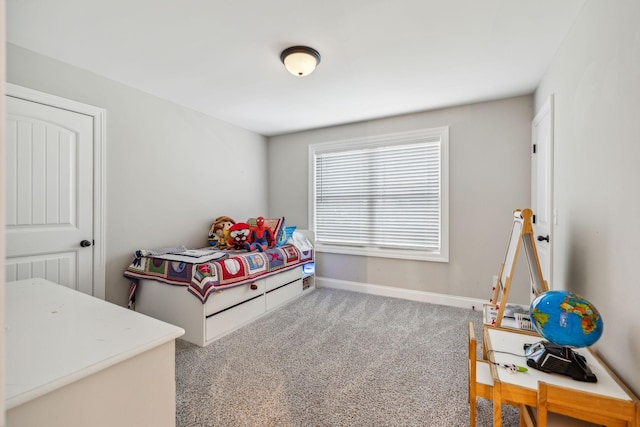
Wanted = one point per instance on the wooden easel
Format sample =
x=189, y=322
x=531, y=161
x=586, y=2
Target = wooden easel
x=521, y=233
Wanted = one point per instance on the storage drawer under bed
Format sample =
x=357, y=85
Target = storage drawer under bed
x=226, y=298
x=233, y=318
x=283, y=294
x=282, y=278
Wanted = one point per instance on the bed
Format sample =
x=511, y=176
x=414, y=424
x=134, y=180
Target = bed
x=210, y=292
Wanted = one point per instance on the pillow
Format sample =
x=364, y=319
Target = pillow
x=300, y=241
x=288, y=231
x=276, y=225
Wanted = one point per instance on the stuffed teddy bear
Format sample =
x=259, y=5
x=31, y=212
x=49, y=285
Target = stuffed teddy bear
x=261, y=237
x=239, y=235
x=219, y=232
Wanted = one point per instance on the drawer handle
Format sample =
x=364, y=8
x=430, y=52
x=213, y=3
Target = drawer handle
x=254, y=286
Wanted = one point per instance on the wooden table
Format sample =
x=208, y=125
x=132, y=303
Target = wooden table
x=75, y=360
x=522, y=387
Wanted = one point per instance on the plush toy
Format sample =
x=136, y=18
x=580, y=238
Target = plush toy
x=239, y=236
x=219, y=232
x=261, y=237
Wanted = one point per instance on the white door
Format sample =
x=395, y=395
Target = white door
x=49, y=194
x=542, y=186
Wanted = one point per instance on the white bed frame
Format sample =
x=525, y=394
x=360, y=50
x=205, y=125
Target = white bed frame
x=225, y=310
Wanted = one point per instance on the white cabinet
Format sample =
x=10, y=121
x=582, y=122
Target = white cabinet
x=75, y=360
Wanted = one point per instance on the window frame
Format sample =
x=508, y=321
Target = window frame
x=436, y=134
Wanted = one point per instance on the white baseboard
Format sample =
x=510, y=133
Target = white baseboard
x=413, y=295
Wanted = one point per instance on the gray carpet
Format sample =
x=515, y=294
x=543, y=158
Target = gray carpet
x=335, y=358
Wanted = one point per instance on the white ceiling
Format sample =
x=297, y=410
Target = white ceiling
x=379, y=57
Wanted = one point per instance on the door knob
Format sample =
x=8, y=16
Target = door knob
x=541, y=238
x=85, y=243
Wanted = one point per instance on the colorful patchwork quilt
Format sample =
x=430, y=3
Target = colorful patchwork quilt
x=217, y=271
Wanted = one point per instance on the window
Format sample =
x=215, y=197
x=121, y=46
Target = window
x=382, y=196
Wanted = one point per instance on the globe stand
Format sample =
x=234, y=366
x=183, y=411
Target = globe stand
x=554, y=358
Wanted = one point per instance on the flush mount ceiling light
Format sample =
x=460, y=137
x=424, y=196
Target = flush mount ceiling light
x=300, y=60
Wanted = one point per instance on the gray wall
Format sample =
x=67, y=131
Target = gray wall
x=169, y=169
x=489, y=176
x=596, y=86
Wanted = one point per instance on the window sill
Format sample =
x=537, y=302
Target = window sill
x=405, y=254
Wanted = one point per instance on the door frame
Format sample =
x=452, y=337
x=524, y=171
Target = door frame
x=99, y=170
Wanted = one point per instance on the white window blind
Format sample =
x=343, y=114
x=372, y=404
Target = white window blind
x=381, y=195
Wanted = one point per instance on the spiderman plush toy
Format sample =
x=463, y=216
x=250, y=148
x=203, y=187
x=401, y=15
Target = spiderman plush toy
x=261, y=237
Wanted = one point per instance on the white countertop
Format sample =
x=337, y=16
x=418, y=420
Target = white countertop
x=56, y=335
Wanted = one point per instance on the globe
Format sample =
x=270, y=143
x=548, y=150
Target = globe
x=566, y=319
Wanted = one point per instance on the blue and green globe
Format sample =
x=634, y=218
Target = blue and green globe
x=566, y=319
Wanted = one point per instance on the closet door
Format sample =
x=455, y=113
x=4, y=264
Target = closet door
x=542, y=187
